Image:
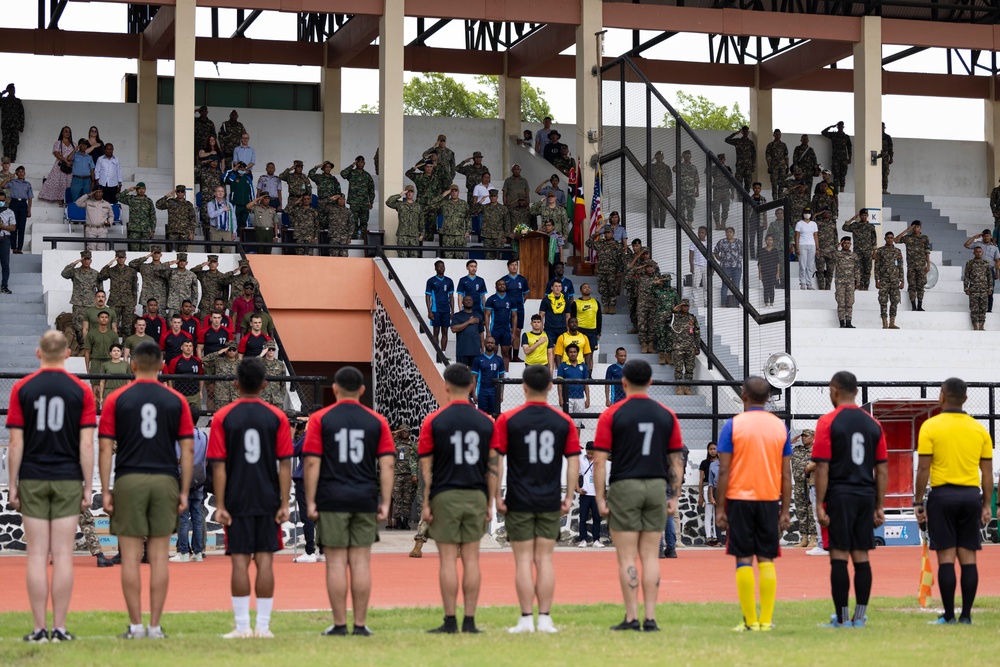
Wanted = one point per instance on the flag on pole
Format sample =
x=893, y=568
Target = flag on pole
x=579, y=220
x=596, y=216
x=926, y=578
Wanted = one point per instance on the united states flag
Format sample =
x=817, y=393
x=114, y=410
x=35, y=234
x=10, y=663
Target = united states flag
x=596, y=217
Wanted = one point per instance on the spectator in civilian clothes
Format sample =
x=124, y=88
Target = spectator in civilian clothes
x=21, y=196
x=308, y=525
x=222, y=220
x=108, y=173
x=698, y=264
x=588, y=500
x=83, y=172
x=729, y=253
x=243, y=305
x=191, y=518
x=769, y=269
x=245, y=154
x=542, y=136
x=704, y=499
x=713, y=483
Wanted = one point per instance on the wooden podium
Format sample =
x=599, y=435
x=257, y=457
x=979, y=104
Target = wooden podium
x=534, y=256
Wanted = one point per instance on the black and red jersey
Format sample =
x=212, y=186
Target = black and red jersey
x=155, y=326
x=250, y=437
x=251, y=345
x=458, y=436
x=191, y=325
x=640, y=434
x=51, y=407
x=852, y=442
x=185, y=366
x=146, y=418
x=227, y=323
x=171, y=342
x=349, y=439
x=535, y=437
x=214, y=339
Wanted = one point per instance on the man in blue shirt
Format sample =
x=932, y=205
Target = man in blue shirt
x=83, y=171
x=465, y=326
x=576, y=397
x=475, y=287
x=487, y=367
x=614, y=392
x=439, y=305
x=499, y=315
x=517, y=290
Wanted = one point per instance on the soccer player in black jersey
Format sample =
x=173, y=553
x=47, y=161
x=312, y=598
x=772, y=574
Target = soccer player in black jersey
x=250, y=448
x=453, y=449
x=535, y=438
x=644, y=438
x=51, y=418
x=852, y=473
x=345, y=443
x=172, y=339
x=145, y=418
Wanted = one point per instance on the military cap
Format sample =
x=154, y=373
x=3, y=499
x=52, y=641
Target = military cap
x=297, y=163
x=863, y=211
x=552, y=193
x=214, y=158
x=657, y=153
x=477, y=154
x=808, y=431
x=233, y=112
x=403, y=427
x=182, y=257
x=202, y=108
x=494, y=191
x=607, y=228
x=362, y=157
x=453, y=187
x=685, y=302
x=442, y=137
x=213, y=258
x=85, y=254
x=232, y=345
x=120, y=253
x=409, y=188
x=180, y=188
x=244, y=262
x=155, y=248
x=270, y=345
x=327, y=162
x=5, y=160
x=140, y=184
x=248, y=284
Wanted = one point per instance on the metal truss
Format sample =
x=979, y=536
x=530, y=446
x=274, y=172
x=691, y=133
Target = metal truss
x=314, y=27
x=496, y=35
x=726, y=49
x=139, y=17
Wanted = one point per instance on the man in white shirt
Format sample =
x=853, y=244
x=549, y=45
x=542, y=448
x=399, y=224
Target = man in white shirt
x=806, y=240
x=481, y=193
x=588, y=499
x=99, y=217
x=698, y=264
x=108, y=174
x=222, y=221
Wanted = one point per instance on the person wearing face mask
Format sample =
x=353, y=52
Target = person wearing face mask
x=241, y=192
x=806, y=239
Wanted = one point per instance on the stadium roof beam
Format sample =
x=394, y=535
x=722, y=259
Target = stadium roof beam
x=245, y=23
x=57, y=11
x=424, y=33
x=905, y=53
x=535, y=51
x=801, y=62
x=351, y=39
x=636, y=50
x=158, y=37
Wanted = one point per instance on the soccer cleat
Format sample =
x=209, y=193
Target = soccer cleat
x=743, y=627
x=649, y=625
x=469, y=626
x=263, y=633
x=524, y=624
x=965, y=620
x=834, y=623
x=335, y=631
x=238, y=634
x=129, y=634
x=449, y=627
x=766, y=627
x=155, y=633
x=37, y=637
x=546, y=625
x=60, y=636
x=417, y=551
x=362, y=631
x=941, y=620
x=627, y=625
x=305, y=558
x=598, y=544
x=583, y=544
x=860, y=623
x=180, y=558
x=197, y=558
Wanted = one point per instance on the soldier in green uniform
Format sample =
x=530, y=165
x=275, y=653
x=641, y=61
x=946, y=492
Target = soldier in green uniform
x=341, y=225
x=804, y=157
x=298, y=183
x=637, y=259
x=846, y=279
x=180, y=217
x=457, y=225
x=426, y=180
x=496, y=227
x=214, y=284
x=797, y=193
x=563, y=162
x=409, y=230
x=210, y=178
x=140, y=336
x=842, y=153
x=183, y=285
x=776, y=155
x=689, y=182
x=405, y=478
x=86, y=282
x=327, y=185
x=801, y=456
x=11, y=121
x=746, y=156
x=155, y=277
x=239, y=276
x=888, y=279
x=826, y=195
x=230, y=133
x=549, y=210
x=203, y=129
x=226, y=361
x=275, y=391
x=97, y=347
x=610, y=260
x=473, y=173
x=515, y=197
x=304, y=223
x=661, y=176
x=865, y=241
x=90, y=315
x=124, y=291
x=666, y=298
x=646, y=307
x=827, y=237
x=141, y=215
x=361, y=194
x=445, y=158
x=687, y=343
x=722, y=193
x=977, y=280
x=116, y=366
x=887, y=155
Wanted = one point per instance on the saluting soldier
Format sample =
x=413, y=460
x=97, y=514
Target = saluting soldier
x=86, y=283
x=180, y=217
x=141, y=215
x=409, y=230
x=124, y=291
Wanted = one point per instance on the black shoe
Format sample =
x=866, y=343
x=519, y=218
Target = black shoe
x=649, y=625
x=449, y=627
x=670, y=554
x=469, y=626
x=405, y=525
x=37, y=637
x=104, y=561
x=848, y=325
x=4, y=290
x=117, y=558
x=362, y=630
x=60, y=636
x=627, y=625
x=335, y=631
x=842, y=324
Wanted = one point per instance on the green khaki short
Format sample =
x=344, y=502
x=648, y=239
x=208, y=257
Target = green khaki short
x=459, y=516
x=340, y=530
x=638, y=505
x=145, y=505
x=50, y=499
x=526, y=526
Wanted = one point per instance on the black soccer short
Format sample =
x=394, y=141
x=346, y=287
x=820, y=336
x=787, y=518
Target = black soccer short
x=953, y=517
x=253, y=534
x=852, y=521
x=753, y=528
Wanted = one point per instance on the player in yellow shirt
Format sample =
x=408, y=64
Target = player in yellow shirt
x=535, y=343
x=572, y=336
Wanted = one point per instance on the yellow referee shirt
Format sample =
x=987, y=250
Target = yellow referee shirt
x=956, y=444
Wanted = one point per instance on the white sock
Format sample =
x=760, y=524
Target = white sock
x=135, y=628
x=154, y=629
x=264, y=613
x=241, y=610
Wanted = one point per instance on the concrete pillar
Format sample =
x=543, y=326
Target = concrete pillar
x=329, y=86
x=510, y=111
x=390, y=134
x=587, y=83
x=868, y=113
x=992, y=135
x=147, y=112
x=184, y=31
x=761, y=125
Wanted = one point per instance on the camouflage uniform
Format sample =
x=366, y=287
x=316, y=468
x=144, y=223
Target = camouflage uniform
x=341, y=228
x=666, y=298
x=409, y=227
x=688, y=180
x=11, y=124
x=825, y=197
x=564, y=164
x=209, y=179
x=225, y=392
x=89, y=533
x=804, y=157
x=842, y=153
x=183, y=287
x=556, y=214
x=801, y=455
x=661, y=176
x=445, y=162
x=687, y=341
x=327, y=186
x=361, y=196
x=746, y=158
x=230, y=135
x=203, y=129
x=155, y=281
x=995, y=205
x=722, y=191
x=275, y=392
x=865, y=241
x=456, y=225
x=236, y=281
x=180, y=220
x=214, y=285
x=887, y=156
x=826, y=251
x=298, y=184
x=86, y=283
x=517, y=188
x=473, y=177
x=797, y=194
x=402, y=486
x=846, y=278
x=776, y=155
x=304, y=225
x=610, y=260
x=888, y=274
x=141, y=219
x=64, y=323
x=632, y=273
x=428, y=188
x=495, y=227
x=646, y=307
x=977, y=280
x=122, y=295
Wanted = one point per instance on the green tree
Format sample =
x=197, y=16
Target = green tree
x=534, y=106
x=703, y=114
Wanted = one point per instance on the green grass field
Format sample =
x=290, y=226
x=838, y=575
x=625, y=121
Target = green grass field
x=691, y=633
